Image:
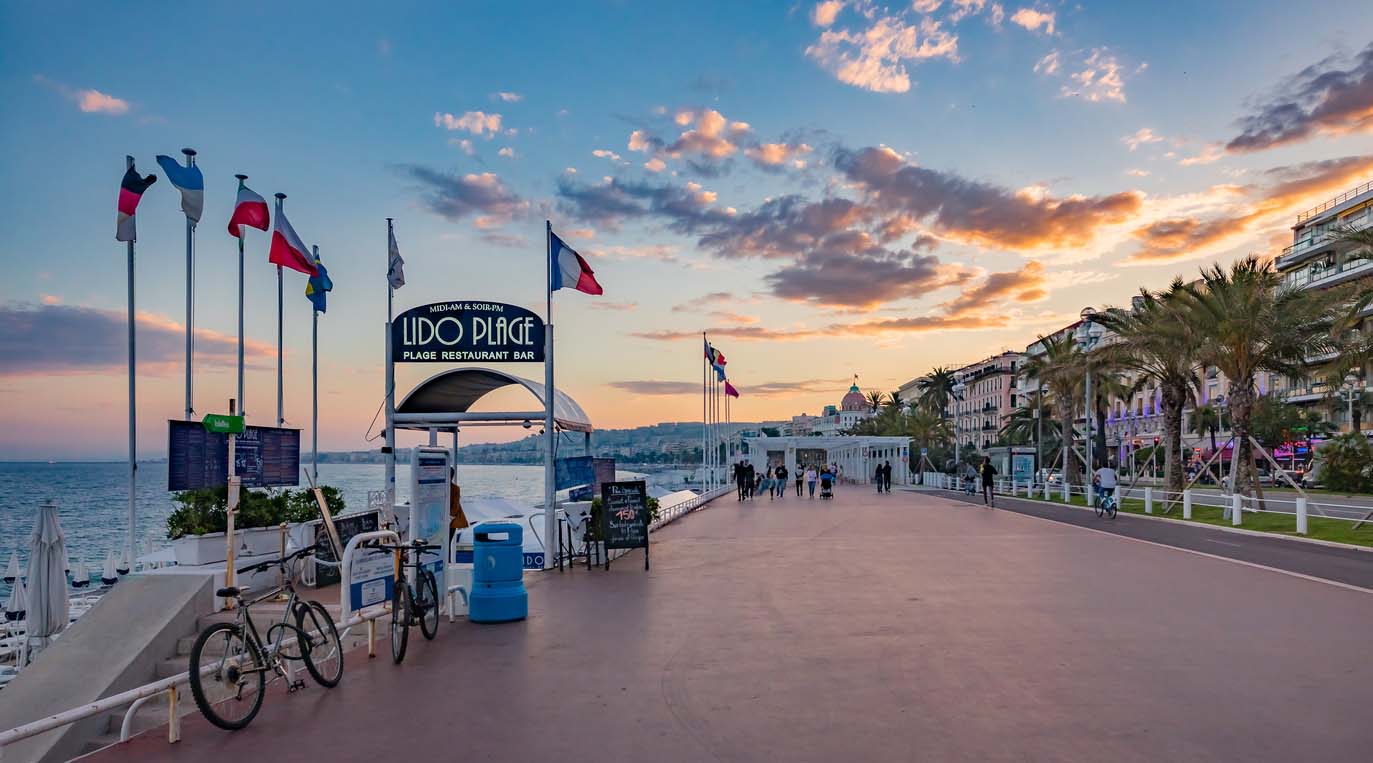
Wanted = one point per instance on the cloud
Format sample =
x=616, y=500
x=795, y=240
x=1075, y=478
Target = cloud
x=601, y=304
x=88, y=100
x=507, y=97
x=1137, y=173
x=911, y=325
x=656, y=388
x=1289, y=189
x=825, y=12
x=478, y=123
x=602, y=153
x=1141, y=137
x=704, y=301
x=507, y=152
x=456, y=197
x=608, y=203
x=655, y=165
x=774, y=155
x=1029, y=284
x=1333, y=96
x=977, y=212
x=1049, y=64
x=1098, y=79
x=464, y=145
x=1211, y=153
x=761, y=389
x=1033, y=19
x=710, y=136
x=875, y=58
x=505, y=239
x=55, y=339
x=851, y=271
x=660, y=252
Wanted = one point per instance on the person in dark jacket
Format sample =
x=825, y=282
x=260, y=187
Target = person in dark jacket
x=988, y=473
x=886, y=476
x=740, y=475
x=877, y=478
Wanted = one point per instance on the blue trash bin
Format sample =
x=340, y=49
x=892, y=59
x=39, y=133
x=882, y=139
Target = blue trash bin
x=498, y=594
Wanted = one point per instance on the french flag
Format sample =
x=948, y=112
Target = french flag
x=250, y=210
x=288, y=250
x=568, y=269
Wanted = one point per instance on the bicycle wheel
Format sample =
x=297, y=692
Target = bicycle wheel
x=227, y=676
x=427, y=602
x=1111, y=508
x=1100, y=507
x=323, y=652
x=400, y=620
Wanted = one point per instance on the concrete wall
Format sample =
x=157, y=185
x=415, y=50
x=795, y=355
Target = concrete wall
x=114, y=647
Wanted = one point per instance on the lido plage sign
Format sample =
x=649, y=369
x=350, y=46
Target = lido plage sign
x=461, y=332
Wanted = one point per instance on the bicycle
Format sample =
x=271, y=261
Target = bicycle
x=1106, y=505
x=411, y=604
x=230, y=660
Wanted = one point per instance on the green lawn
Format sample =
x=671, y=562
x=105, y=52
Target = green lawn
x=1338, y=530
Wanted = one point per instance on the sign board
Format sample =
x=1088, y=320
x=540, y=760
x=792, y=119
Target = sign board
x=346, y=527
x=1022, y=467
x=574, y=471
x=429, y=487
x=624, y=517
x=263, y=456
x=373, y=577
x=222, y=424
x=466, y=332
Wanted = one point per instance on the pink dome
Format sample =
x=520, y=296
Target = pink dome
x=854, y=400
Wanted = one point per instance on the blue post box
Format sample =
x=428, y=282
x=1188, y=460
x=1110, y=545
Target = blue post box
x=498, y=594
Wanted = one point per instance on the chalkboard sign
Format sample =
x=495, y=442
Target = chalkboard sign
x=624, y=517
x=263, y=456
x=347, y=526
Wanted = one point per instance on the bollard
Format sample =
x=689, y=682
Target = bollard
x=173, y=717
x=1301, y=515
x=1187, y=504
x=1148, y=500
x=372, y=637
x=1047, y=497
x=1067, y=494
x=1236, y=509
x=1090, y=492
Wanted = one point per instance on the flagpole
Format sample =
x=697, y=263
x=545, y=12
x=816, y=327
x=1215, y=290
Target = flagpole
x=281, y=418
x=314, y=384
x=242, y=407
x=390, y=383
x=550, y=524
x=704, y=371
x=190, y=299
x=133, y=437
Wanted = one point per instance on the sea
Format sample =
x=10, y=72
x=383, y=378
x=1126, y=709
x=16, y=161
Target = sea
x=92, y=500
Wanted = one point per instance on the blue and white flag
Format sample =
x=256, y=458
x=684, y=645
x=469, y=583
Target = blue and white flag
x=189, y=182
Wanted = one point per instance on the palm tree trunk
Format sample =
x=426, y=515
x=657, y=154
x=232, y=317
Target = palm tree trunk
x=1173, y=400
x=1241, y=410
x=1064, y=404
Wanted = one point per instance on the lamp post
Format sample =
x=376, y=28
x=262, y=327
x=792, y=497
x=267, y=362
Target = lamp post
x=1087, y=342
x=1350, y=392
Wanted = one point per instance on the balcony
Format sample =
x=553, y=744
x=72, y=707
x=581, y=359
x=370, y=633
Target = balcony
x=1320, y=241
x=1335, y=202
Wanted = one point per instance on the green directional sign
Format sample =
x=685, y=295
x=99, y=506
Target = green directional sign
x=222, y=424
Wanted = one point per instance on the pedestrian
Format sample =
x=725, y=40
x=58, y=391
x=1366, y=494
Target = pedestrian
x=800, y=478
x=877, y=478
x=811, y=477
x=886, y=476
x=780, y=486
x=740, y=474
x=988, y=473
x=767, y=482
x=750, y=478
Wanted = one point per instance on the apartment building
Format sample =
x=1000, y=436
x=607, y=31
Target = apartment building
x=983, y=399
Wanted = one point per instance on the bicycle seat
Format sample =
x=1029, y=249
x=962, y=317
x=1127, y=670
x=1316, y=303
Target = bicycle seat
x=230, y=592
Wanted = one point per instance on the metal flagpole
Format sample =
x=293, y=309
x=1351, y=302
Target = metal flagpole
x=705, y=419
x=281, y=417
x=549, y=486
x=190, y=297
x=390, y=384
x=242, y=408
x=314, y=384
x=133, y=438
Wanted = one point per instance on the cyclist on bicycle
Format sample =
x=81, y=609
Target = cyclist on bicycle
x=1105, y=481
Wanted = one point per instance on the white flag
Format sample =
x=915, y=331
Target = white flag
x=395, y=271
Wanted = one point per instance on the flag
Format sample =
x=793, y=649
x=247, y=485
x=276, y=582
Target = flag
x=287, y=249
x=730, y=390
x=569, y=269
x=130, y=191
x=395, y=267
x=189, y=182
x=250, y=209
x=318, y=286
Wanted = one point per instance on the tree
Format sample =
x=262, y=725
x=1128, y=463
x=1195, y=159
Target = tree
x=1207, y=419
x=875, y=399
x=1252, y=322
x=1022, y=426
x=936, y=389
x=1154, y=340
x=894, y=401
x=1348, y=464
x=1059, y=370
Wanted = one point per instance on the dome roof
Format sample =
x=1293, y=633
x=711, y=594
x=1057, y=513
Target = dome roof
x=854, y=400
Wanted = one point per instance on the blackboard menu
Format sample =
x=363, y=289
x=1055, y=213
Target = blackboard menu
x=347, y=526
x=624, y=517
x=263, y=457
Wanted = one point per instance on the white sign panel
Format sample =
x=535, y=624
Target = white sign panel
x=429, y=486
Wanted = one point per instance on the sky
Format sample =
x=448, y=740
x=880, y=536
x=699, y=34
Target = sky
x=828, y=189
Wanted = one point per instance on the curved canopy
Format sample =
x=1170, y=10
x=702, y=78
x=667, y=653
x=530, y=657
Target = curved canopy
x=455, y=391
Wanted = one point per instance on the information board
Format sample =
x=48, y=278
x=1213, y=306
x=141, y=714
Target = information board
x=263, y=456
x=624, y=517
x=574, y=471
x=347, y=527
x=373, y=577
x=467, y=331
x=429, y=486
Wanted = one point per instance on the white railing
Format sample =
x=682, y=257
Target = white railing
x=668, y=516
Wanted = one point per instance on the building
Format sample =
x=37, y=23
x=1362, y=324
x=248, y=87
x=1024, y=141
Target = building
x=834, y=421
x=984, y=397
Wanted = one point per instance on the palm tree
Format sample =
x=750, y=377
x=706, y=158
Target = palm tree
x=1022, y=425
x=1059, y=370
x=894, y=401
x=1154, y=341
x=936, y=389
x=1206, y=419
x=1250, y=322
x=875, y=399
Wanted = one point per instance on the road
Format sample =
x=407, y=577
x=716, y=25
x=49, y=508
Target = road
x=876, y=628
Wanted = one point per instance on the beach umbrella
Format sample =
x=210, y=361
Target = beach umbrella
x=12, y=571
x=108, y=576
x=19, y=599
x=47, y=603
x=125, y=562
x=81, y=577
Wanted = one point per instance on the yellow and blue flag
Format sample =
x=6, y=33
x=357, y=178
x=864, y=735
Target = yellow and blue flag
x=318, y=286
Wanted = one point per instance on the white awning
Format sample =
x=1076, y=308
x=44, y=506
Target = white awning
x=443, y=399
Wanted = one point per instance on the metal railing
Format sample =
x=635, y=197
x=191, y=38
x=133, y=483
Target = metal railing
x=1342, y=198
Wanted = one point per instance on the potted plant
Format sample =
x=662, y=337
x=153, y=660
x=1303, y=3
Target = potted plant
x=198, y=523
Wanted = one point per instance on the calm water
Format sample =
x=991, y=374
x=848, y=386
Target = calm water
x=92, y=500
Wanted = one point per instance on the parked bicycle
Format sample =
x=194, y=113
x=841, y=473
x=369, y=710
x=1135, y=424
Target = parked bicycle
x=230, y=660
x=413, y=601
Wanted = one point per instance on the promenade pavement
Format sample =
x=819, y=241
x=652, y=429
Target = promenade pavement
x=903, y=627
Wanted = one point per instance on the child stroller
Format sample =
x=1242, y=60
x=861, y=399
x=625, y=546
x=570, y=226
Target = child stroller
x=826, y=486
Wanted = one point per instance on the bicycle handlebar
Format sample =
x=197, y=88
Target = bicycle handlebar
x=282, y=562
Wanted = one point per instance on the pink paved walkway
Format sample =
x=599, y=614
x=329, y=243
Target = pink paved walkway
x=873, y=628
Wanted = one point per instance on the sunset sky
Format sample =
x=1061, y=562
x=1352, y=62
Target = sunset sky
x=830, y=189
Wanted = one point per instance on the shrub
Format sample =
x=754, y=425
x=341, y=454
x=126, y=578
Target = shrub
x=204, y=511
x=1348, y=464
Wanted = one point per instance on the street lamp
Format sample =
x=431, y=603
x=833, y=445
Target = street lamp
x=1350, y=392
x=1087, y=341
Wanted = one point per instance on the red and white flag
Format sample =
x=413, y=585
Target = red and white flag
x=250, y=210
x=288, y=250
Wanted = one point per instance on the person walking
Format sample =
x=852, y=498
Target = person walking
x=750, y=480
x=767, y=482
x=780, y=486
x=811, y=477
x=740, y=474
x=800, y=478
x=988, y=473
x=877, y=478
x=886, y=477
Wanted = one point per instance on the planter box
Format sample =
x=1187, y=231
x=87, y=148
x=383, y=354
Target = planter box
x=195, y=550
